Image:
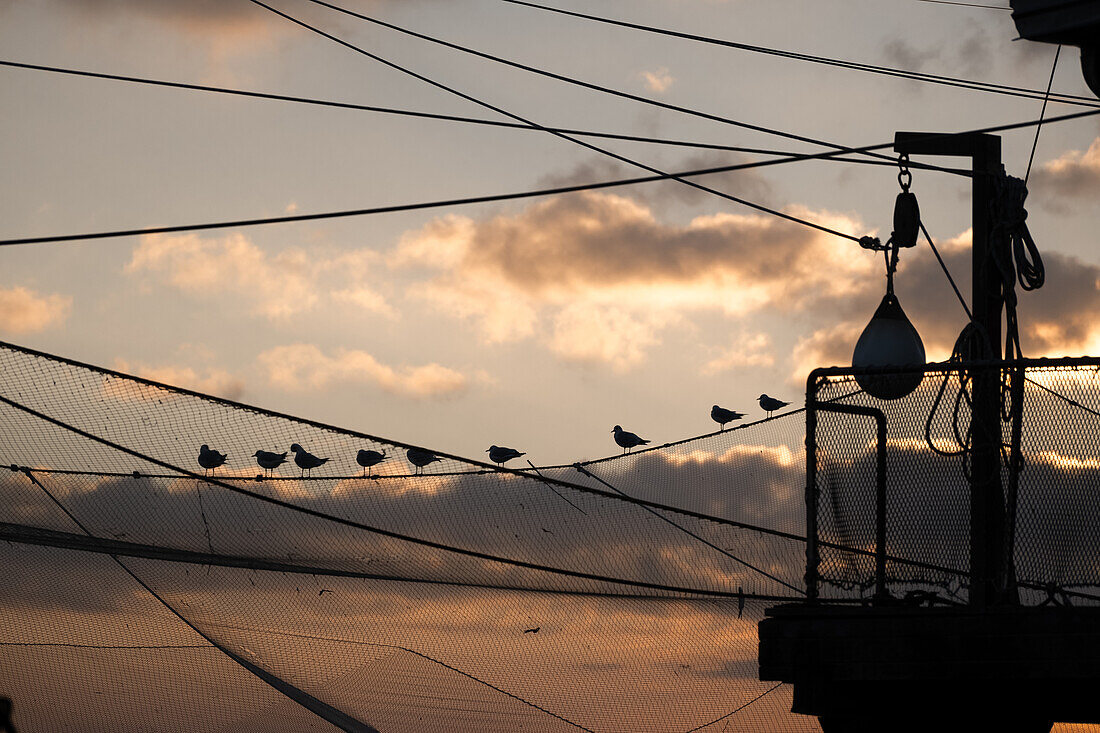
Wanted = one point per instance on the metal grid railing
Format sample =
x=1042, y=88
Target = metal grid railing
x=917, y=518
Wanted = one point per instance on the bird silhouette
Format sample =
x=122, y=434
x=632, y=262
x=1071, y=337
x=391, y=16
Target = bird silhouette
x=535, y=630
x=500, y=455
x=369, y=458
x=627, y=440
x=770, y=404
x=269, y=461
x=305, y=460
x=722, y=416
x=210, y=459
x=421, y=458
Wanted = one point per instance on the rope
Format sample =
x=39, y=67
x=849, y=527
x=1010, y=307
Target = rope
x=734, y=712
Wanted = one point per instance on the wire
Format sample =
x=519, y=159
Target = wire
x=965, y=5
x=1039, y=127
x=507, y=196
x=499, y=110
x=448, y=118
x=737, y=710
x=841, y=63
x=558, y=77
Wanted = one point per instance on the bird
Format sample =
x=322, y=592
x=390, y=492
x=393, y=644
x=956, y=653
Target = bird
x=770, y=404
x=209, y=458
x=627, y=440
x=500, y=455
x=722, y=416
x=369, y=458
x=421, y=458
x=535, y=630
x=269, y=461
x=305, y=460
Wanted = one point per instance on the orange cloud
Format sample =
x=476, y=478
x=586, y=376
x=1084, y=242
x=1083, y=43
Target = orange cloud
x=749, y=350
x=598, y=277
x=212, y=381
x=657, y=81
x=1073, y=174
x=304, y=366
x=25, y=311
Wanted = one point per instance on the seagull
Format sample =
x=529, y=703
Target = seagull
x=369, y=458
x=305, y=460
x=627, y=440
x=722, y=416
x=210, y=459
x=770, y=404
x=269, y=461
x=421, y=458
x=500, y=455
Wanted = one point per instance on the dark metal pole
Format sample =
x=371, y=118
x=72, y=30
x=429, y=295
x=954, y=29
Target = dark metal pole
x=987, y=513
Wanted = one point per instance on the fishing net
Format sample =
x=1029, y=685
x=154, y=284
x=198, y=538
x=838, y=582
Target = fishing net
x=144, y=592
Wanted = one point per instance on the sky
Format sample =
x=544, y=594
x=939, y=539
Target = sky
x=537, y=324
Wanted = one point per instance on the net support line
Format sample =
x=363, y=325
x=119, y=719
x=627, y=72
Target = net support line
x=23, y=534
x=584, y=471
x=321, y=709
x=355, y=524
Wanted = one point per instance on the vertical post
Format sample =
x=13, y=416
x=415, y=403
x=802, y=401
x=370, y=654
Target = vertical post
x=987, y=513
x=812, y=558
x=986, y=495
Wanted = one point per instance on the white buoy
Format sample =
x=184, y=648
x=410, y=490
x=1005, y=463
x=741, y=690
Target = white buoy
x=889, y=340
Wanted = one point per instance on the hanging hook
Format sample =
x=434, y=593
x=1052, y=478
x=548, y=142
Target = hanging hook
x=905, y=178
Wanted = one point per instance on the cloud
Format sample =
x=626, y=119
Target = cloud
x=23, y=310
x=276, y=286
x=597, y=276
x=657, y=81
x=304, y=366
x=749, y=350
x=211, y=380
x=1073, y=175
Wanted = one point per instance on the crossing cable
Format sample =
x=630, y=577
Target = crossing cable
x=585, y=472
x=518, y=118
x=574, y=81
x=451, y=118
x=841, y=63
x=506, y=196
x=321, y=709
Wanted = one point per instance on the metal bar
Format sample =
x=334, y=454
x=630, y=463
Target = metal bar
x=813, y=559
x=812, y=406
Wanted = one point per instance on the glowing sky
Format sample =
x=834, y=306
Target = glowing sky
x=537, y=324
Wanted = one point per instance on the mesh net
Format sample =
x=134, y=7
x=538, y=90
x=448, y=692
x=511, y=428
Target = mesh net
x=143, y=595
x=1057, y=516
x=143, y=592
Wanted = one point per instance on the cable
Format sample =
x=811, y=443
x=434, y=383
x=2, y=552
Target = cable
x=1039, y=127
x=499, y=110
x=841, y=63
x=737, y=710
x=504, y=197
x=552, y=75
x=584, y=471
x=966, y=5
x=447, y=118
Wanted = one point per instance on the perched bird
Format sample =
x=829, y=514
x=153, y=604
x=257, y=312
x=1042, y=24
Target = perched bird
x=627, y=440
x=305, y=460
x=722, y=416
x=770, y=404
x=421, y=458
x=500, y=455
x=269, y=461
x=210, y=459
x=369, y=458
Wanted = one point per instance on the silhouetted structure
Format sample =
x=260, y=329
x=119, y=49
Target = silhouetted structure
x=959, y=651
